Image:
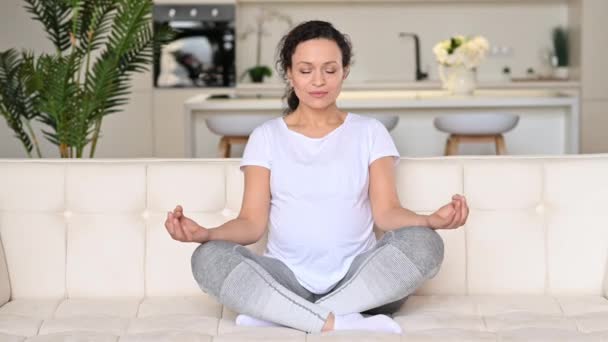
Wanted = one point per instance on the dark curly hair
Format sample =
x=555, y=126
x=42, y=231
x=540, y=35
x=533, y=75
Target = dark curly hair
x=308, y=30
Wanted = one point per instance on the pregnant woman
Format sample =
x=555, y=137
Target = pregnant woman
x=318, y=178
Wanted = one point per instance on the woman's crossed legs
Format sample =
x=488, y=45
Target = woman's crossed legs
x=378, y=281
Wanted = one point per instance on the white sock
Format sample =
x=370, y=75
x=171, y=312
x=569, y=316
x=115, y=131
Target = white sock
x=249, y=321
x=374, y=323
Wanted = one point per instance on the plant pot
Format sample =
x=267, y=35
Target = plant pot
x=255, y=78
x=256, y=75
x=561, y=72
x=458, y=80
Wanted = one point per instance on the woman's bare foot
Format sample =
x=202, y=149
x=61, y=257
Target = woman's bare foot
x=329, y=324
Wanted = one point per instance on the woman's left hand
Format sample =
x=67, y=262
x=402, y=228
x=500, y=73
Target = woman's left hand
x=451, y=215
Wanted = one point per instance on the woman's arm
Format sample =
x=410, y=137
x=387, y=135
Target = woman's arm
x=252, y=221
x=389, y=214
x=246, y=229
x=386, y=209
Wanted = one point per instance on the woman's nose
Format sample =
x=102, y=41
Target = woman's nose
x=318, y=79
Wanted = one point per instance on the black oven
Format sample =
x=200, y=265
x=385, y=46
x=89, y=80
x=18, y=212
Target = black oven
x=202, y=52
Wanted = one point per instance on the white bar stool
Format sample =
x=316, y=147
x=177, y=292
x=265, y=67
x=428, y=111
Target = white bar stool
x=475, y=128
x=234, y=129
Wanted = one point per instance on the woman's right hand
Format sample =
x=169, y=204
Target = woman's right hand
x=184, y=229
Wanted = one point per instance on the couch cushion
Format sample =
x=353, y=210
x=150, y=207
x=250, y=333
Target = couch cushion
x=11, y=338
x=201, y=305
x=80, y=207
x=453, y=269
x=5, y=285
x=198, y=187
x=38, y=190
x=507, y=317
x=41, y=308
x=592, y=323
x=575, y=195
x=102, y=307
x=352, y=336
x=432, y=320
x=167, y=336
x=580, y=305
x=98, y=324
x=423, y=318
x=74, y=336
x=19, y=325
x=35, y=248
x=112, y=243
x=112, y=188
x=32, y=186
x=503, y=216
x=188, y=323
x=168, y=269
x=441, y=335
x=493, y=266
x=545, y=335
x=424, y=187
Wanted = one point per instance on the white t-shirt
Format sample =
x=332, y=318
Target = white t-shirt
x=320, y=214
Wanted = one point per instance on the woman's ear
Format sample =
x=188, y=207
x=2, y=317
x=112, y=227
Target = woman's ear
x=346, y=72
x=289, y=77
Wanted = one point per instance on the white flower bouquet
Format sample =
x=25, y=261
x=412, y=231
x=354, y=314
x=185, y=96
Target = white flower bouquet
x=461, y=51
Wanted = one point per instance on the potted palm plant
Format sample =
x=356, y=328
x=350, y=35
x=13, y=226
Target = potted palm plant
x=70, y=91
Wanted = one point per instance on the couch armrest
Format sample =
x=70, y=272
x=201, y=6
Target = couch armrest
x=5, y=286
x=606, y=281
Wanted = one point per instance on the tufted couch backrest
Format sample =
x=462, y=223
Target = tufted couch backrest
x=95, y=228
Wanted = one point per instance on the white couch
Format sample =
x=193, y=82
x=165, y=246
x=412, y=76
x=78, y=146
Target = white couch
x=85, y=255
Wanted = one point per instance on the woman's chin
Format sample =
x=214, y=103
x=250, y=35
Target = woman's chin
x=320, y=103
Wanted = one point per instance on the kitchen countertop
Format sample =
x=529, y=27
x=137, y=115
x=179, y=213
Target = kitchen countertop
x=549, y=113
x=426, y=84
x=397, y=99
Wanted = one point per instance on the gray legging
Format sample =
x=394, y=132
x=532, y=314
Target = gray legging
x=378, y=280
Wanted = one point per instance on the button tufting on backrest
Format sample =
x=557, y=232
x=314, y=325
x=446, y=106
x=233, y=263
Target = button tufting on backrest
x=540, y=208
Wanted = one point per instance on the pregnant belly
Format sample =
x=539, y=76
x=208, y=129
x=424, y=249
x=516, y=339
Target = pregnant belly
x=318, y=233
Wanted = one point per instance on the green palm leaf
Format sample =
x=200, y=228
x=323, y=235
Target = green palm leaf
x=55, y=16
x=49, y=88
x=15, y=104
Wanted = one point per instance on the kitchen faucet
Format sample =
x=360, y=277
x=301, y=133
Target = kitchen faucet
x=419, y=74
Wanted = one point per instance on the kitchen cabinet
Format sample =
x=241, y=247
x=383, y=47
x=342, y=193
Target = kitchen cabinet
x=594, y=49
x=142, y=81
x=595, y=125
x=129, y=132
x=168, y=112
x=594, y=73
